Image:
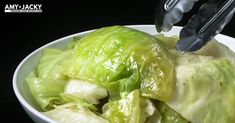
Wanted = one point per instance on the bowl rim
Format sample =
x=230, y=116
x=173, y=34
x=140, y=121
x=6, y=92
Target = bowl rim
x=17, y=92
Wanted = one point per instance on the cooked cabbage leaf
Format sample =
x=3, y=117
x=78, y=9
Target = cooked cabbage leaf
x=50, y=64
x=73, y=42
x=169, y=42
x=48, y=92
x=74, y=113
x=123, y=59
x=205, y=91
x=131, y=109
x=45, y=91
x=72, y=99
x=156, y=117
x=169, y=115
x=222, y=51
x=89, y=91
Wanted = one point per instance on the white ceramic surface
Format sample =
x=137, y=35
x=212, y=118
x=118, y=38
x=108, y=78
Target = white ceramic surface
x=28, y=64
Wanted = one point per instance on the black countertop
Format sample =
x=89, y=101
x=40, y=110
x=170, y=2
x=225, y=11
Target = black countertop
x=25, y=32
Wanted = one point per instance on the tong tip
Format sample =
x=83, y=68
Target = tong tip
x=189, y=44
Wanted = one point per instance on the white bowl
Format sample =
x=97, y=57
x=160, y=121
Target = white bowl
x=28, y=64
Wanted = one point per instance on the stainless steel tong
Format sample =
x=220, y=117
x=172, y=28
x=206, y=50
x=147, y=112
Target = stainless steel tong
x=201, y=28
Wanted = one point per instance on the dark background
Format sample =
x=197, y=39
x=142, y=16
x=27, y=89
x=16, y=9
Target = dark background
x=24, y=32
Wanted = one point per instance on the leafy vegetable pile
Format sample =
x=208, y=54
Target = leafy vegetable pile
x=121, y=75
